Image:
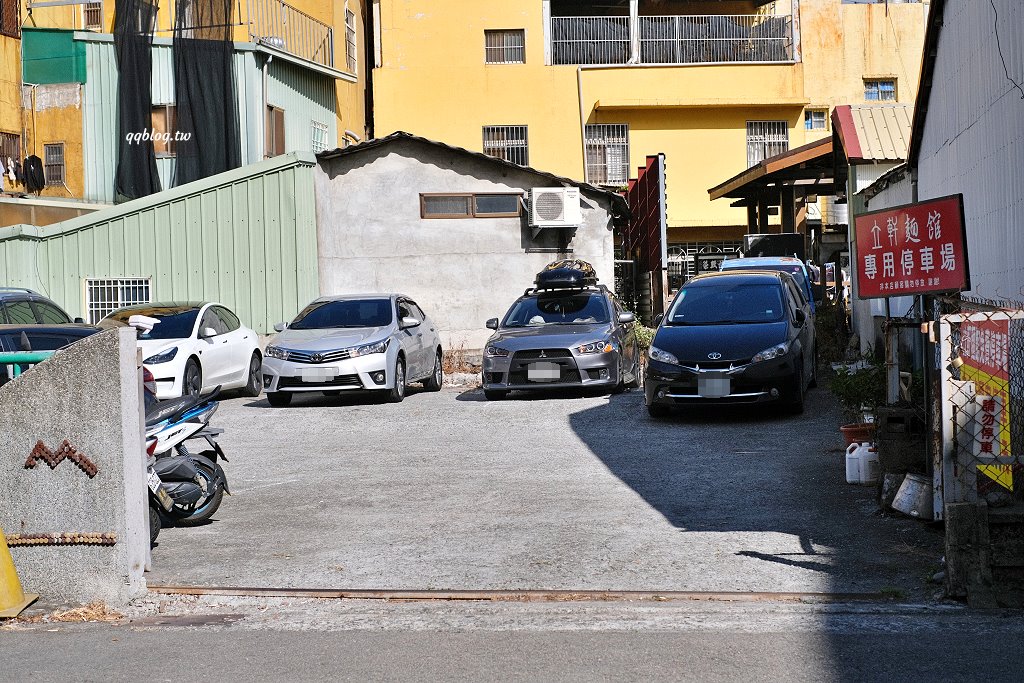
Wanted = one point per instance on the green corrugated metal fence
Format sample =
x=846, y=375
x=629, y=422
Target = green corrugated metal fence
x=246, y=238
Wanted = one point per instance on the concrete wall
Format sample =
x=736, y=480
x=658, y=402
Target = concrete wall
x=461, y=271
x=90, y=395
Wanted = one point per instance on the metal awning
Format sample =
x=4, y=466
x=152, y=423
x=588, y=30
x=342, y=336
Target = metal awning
x=809, y=167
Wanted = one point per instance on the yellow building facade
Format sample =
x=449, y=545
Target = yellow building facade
x=324, y=41
x=711, y=84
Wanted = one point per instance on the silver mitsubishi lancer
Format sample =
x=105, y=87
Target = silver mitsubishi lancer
x=561, y=334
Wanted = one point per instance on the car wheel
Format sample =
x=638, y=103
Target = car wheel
x=397, y=392
x=254, y=384
x=495, y=394
x=621, y=385
x=796, y=406
x=279, y=399
x=192, y=380
x=657, y=410
x=814, y=370
x=433, y=383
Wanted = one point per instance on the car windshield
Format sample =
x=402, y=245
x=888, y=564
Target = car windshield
x=558, y=309
x=176, y=322
x=726, y=303
x=349, y=313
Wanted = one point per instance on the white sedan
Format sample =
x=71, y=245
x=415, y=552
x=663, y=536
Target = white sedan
x=195, y=347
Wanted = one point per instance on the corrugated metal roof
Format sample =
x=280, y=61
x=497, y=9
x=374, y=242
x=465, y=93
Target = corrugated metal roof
x=874, y=132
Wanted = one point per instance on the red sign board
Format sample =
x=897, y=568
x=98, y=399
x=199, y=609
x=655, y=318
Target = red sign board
x=913, y=249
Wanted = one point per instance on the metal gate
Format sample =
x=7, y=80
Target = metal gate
x=981, y=363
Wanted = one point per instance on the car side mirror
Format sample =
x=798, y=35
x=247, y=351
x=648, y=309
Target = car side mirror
x=492, y=324
x=208, y=332
x=658, y=318
x=801, y=317
x=626, y=317
x=280, y=327
x=408, y=322
x=79, y=320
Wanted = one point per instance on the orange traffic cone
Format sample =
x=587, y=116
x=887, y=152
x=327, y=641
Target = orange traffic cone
x=12, y=598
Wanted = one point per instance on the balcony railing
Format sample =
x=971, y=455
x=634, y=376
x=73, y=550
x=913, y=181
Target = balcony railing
x=278, y=24
x=681, y=39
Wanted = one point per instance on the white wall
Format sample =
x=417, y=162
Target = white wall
x=461, y=271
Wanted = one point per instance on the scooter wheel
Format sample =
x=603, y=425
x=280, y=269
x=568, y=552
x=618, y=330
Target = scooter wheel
x=204, y=509
x=154, y=524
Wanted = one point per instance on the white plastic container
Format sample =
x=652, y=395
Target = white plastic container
x=861, y=464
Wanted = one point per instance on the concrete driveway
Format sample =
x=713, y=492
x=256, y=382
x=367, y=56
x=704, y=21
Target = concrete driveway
x=449, y=491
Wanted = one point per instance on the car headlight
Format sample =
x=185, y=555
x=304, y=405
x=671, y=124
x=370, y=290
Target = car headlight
x=596, y=347
x=662, y=356
x=162, y=357
x=496, y=352
x=277, y=352
x=776, y=351
x=368, y=349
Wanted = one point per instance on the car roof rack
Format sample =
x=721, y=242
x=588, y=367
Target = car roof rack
x=594, y=287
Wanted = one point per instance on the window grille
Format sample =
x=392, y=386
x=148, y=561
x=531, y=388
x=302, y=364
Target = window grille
x=53, y=163
x=765, y=139
x=508, y=143
x=880, y=90
x=319, y=132
x=92, y=16
x=105, y=295
x=10, y=18
x=816, y=119
x=607, y=153
x=350, y=40
x=10, y=147
x=505, y=47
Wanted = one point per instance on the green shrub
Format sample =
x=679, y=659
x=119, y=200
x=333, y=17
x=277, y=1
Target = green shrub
x=862, y=389
x=644, y=335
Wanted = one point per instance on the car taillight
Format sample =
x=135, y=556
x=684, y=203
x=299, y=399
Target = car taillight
x=150, y=446
x=148, y=380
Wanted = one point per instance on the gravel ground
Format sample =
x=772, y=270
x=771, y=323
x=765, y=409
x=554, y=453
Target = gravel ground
x=449, y=491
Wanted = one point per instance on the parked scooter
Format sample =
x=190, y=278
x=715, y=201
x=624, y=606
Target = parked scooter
x=195, y=481
x=159, y=499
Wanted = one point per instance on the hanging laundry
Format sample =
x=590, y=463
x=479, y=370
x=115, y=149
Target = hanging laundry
x=3, y=172
x=35, y=180
x=18, y=176
x=10, y=169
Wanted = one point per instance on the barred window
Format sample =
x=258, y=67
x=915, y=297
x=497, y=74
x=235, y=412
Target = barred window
x=10, y=18
x=879, y=90
x=105, y=295
x=505, y=47
x=53, y=163
x=766, y=139
x=350, y=39
x=319, y=133
x=10, y=147
x=607, y=153
x=508, y=143
x=92, y=16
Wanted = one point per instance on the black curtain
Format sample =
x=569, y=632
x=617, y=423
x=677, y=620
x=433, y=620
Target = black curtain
x=209, y=140
x=134, y=21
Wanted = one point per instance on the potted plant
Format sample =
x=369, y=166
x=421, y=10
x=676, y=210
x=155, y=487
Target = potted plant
x=860, y=388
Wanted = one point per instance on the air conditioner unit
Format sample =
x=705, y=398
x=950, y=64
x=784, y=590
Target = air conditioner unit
x=555, y=207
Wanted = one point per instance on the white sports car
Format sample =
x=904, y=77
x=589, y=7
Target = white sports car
x=195, y=347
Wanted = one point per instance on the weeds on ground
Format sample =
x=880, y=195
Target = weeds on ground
x=459, y=361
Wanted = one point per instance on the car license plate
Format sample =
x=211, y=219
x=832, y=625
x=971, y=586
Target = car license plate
x=543, y=372
x=713, y=385
x=318, y=374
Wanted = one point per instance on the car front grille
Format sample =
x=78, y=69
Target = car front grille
x=533, y=354
x=715, y=364
x=566, y=376
x=316, y=357
x=338, y=382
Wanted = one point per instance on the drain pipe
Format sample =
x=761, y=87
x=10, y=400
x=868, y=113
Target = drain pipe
x=583, y=120
x=266, y=104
